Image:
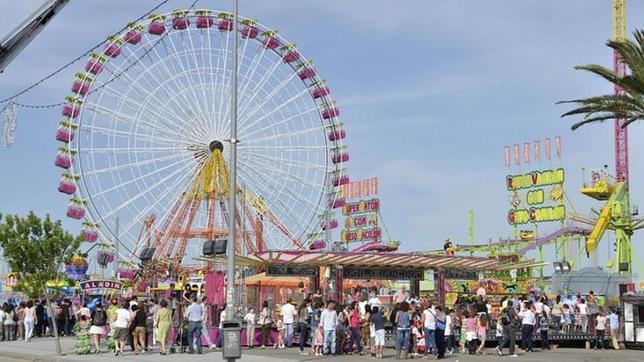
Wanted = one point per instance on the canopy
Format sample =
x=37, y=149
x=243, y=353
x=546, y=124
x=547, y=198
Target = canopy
x=263, y=280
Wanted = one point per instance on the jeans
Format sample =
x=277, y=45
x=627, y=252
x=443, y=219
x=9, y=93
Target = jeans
x=544, y=339
x=599, y=342
x=402, y=339
x=440, y=342
x=194, y=331
x=304, y=335
x=584, y=323
x=356, y=338
x=288, y=331
x=450, y=342
x=526, y=337
x=29, y=329
x=557, y=319
x=430, y=341
x=509, y=335
x=9, y=332
x=329, y=341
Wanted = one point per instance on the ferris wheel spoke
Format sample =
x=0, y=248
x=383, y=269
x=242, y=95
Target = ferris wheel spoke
x=211, y=101
x=100, y=109
x=179, y=171
x=130, y=136
x=245, y=104
x=224, y=77
x=294, y=148
x=288, y=211
x=134, y=149
x=270, y=96
x=201, y=105
x=228, y=110
x=268, y=114
x=287, y=175
x=296, y=163
x=167, y=211
x=250, y=72
x=132, y=165
x=139, y=178
x=286, y=134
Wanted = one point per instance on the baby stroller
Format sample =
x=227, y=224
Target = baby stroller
x=181, y=339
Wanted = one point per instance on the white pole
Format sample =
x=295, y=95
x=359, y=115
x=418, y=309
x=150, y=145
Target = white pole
x=230, y=294
x=116, y=247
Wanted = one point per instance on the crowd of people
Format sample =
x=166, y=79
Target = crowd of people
x=421, y=327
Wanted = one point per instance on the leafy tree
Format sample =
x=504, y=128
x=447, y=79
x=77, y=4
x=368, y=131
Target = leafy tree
x=35, y=250
x=630, y=104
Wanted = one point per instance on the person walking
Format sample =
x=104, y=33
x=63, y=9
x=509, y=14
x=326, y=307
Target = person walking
x=403, y=326
x=429, y=329
x=508, y=320
x=544, y=325
x=600, y=329
x=138, y=335
x=154, y=309
x=250, y=320
x=99, y=322
x=288, y=317
x=303, y=323
x=206, y=321
x=20, y=316
x=8, y=323
x=122, y=318
x=30, y=320
x=613, y=323
x=163, y=321
x=193, y=316
x=329, y=323
x=379, y=325
x=528, y=320
x=354, y=327
x=557, y=313
x=441, y=325
x=266, y=321
x=40, y=319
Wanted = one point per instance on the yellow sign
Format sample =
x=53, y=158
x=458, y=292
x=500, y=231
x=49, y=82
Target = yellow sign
x=535, y=179
x=536, y=214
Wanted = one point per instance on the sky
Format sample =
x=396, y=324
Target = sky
x=430, y=93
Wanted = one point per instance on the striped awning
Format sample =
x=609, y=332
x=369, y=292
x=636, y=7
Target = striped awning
x=373, y=259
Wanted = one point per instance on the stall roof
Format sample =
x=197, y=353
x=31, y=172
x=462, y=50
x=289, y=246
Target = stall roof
x=263, y=279
x=371, y=259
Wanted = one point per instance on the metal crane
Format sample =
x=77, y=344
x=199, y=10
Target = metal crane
x=14, y=42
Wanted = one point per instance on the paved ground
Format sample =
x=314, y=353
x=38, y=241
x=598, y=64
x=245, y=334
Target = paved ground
x=43, y=350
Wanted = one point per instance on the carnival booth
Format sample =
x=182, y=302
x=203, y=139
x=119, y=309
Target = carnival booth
x=277, y=290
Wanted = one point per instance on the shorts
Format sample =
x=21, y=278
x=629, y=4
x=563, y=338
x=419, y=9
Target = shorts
x=380, y=337
x=120, y=333
x=470, y=336
x=138, y=331
x=372, y=340
x=482, y=337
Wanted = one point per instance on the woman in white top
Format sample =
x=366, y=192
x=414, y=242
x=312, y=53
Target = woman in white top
x=249, y=318
x=30, y=320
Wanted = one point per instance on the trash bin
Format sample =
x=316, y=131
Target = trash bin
x=231, y=340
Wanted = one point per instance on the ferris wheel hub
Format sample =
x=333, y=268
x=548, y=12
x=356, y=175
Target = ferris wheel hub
x=216, y=145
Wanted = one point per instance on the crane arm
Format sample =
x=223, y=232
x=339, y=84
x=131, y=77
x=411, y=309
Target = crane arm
x=604, y=219
x=14, y=42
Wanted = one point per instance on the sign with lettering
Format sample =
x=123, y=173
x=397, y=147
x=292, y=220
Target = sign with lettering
x=359, y=234
x=100, y=286
x=291, y=270
x=536, y=197
x=361, y=206
x=386, y=273
x=460, y=274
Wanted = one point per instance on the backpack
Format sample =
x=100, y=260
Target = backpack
x=505, y=318
x=99, y=318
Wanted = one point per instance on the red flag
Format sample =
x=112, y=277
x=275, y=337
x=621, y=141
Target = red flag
x=546, y=145
x=517, y=154
x=558, y=146
x=537, y=151
x=374, y=185
x=507, y=156
x=526, y=152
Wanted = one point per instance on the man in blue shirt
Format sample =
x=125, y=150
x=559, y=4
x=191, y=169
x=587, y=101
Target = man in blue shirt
x=613, y=322
x=193, y=316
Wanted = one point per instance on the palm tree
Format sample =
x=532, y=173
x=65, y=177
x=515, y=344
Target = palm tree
x=630, y=104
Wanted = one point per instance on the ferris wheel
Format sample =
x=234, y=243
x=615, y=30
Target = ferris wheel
x=145, y=138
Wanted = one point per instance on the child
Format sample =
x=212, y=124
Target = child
x=566, y=318
x=543, y=329
x=482, y=333
x=416, y=335
x=449, y=331
x=471, y=331
x=499, y=331
x=379, y=326
x=318, y=340
x=250, y=327
x=280, y=333
x=463, y=335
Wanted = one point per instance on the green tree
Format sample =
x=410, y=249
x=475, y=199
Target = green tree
x=630, y=105
x=36, y=250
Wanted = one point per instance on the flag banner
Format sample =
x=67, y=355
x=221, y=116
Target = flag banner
x=374, y=185
x=547, y=146
x=558, y=146
x=537, y=151
x=526, y=152
x=517, y=154
x=507, y=156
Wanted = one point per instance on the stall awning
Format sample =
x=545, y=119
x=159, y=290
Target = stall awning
x=270, y=281
x=371, y=259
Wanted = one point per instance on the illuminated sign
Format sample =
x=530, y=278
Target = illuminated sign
x=351, y=222
x=100, y=285
x=535, y=179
